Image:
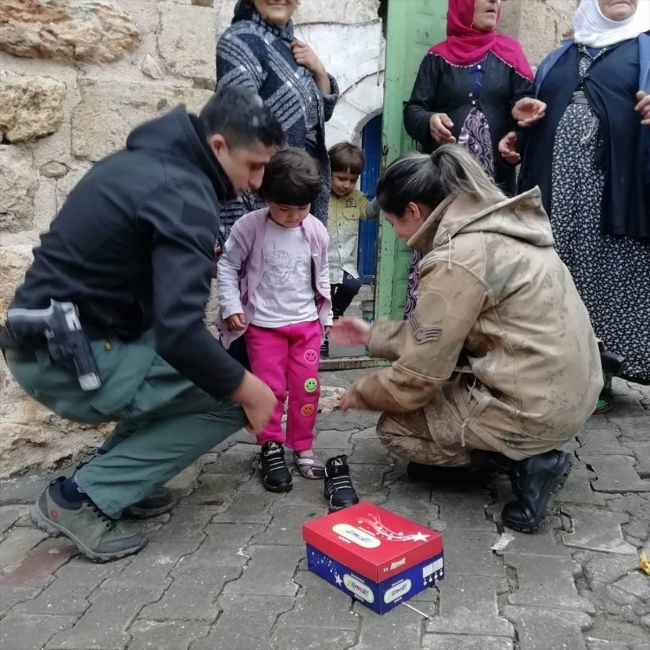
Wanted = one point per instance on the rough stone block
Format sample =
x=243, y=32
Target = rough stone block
x=469, y=553
x=225, y=545
x=184, y=482
x=413, y=501
x=39, y=566
x=541, y=543
x=9, y=515
x=546, y=582
x=468, y=606
x=151, y=567
x=18, y=184
x=349, y=13
x=186, y=525
x=463, y=510
x=401, y=629
x=460, y=642
x=319, y=605
x=597, y=530
x=578, y=489
x=616, y=474
x=76, y=30
x=270, y=572
x=9, y=598
x=30, y=107
x=349, y=421
x=193, y=594
x=240, y=459
x=186, y=42
x=634, y=429
x=312, y=638
x=102, y=626
x=368, y=479
x=235, y=629
x=607, y=569
x=17, y=545
x=214, y=490
x=246, y=509
x=62, y=597
x=165, y=635
x=636, y=584
x=540, y=629
x=23, y=632
x=642, y=452
x=603, y=442
x=370, y=452
x=108, y=111
x=332, y=440
x=285, y=528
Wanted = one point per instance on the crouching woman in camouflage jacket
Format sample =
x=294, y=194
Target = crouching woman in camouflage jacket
x=498, y=366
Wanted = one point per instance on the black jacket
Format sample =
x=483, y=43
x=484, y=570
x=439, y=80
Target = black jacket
x=444, y=88
x=133, y=248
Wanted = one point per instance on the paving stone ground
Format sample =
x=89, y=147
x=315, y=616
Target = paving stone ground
x=227, y=568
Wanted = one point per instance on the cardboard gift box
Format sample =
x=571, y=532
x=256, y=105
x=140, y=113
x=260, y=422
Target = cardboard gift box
x=375, y=556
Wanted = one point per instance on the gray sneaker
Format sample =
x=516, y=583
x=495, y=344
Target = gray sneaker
x=96, y=535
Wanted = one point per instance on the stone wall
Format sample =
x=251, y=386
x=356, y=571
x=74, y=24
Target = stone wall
x=77, y=75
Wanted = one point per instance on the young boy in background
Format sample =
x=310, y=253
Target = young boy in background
x=347, y=206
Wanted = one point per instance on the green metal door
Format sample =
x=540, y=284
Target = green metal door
x=413, y=27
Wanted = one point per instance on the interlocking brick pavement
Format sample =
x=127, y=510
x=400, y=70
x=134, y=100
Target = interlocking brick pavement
x=227, y=569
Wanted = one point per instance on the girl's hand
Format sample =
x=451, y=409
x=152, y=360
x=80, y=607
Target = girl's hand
x=643, y=107
x=439, y=125
x=236, y=323
x=328, y=329
x=350, y=331
x=527, y=111
x=347, y=401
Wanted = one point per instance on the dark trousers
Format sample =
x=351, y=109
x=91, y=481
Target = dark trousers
x=343, y=294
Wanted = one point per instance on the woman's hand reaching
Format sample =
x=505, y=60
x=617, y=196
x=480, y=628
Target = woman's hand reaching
x=350, y=331
x=527, y=111
x=643, y=107
x=439, y=126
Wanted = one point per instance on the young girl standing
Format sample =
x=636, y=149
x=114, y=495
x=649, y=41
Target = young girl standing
x=273, y=283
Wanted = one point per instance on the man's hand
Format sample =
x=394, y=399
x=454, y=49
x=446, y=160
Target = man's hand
x=258, y=402
x=350, y=331
x=527, y=111
x=439, y=125
x=236, y=323
x=508, y=148
x=643, y=107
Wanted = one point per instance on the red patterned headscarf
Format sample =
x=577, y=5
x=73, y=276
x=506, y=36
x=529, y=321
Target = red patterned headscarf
x=466, y=45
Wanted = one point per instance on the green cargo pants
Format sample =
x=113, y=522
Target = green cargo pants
x=164, y=422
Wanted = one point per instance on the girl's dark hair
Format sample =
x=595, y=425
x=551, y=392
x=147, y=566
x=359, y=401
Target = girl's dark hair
x=345, y=156
x=428, y=180
x=292, y=177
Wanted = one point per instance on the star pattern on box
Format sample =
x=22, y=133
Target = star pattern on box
x=383, y=532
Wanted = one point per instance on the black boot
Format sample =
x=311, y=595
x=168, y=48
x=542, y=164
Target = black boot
x=417, y=472
x=339, y=490
x=325, y=349
x=275, y=473
x=533, y=482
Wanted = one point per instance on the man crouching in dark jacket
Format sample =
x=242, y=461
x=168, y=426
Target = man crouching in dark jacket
x=109, y=323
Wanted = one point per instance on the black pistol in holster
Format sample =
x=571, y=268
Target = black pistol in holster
x=67, y=343
x=611, y=362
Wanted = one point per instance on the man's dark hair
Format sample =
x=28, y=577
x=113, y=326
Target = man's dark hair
x=240, y=116
x=292, y=177
x=345, y=157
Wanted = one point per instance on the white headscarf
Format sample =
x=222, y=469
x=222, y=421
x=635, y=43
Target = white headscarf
x=592, y=28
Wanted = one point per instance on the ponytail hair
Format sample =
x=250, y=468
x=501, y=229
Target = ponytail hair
x=429, y=180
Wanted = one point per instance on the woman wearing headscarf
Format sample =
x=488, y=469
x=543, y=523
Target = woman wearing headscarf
x=472, y=89
x=591, y=158
x=259, y=50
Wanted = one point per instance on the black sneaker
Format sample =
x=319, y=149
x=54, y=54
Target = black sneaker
x=339, y=490
x=275, y=473
x=533, y=481
x=156, y=503
x=325, y=349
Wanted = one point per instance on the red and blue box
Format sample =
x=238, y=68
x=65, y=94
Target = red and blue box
x=373, y=555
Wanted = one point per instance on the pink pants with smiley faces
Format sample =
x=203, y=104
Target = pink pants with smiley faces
x=287, y=359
